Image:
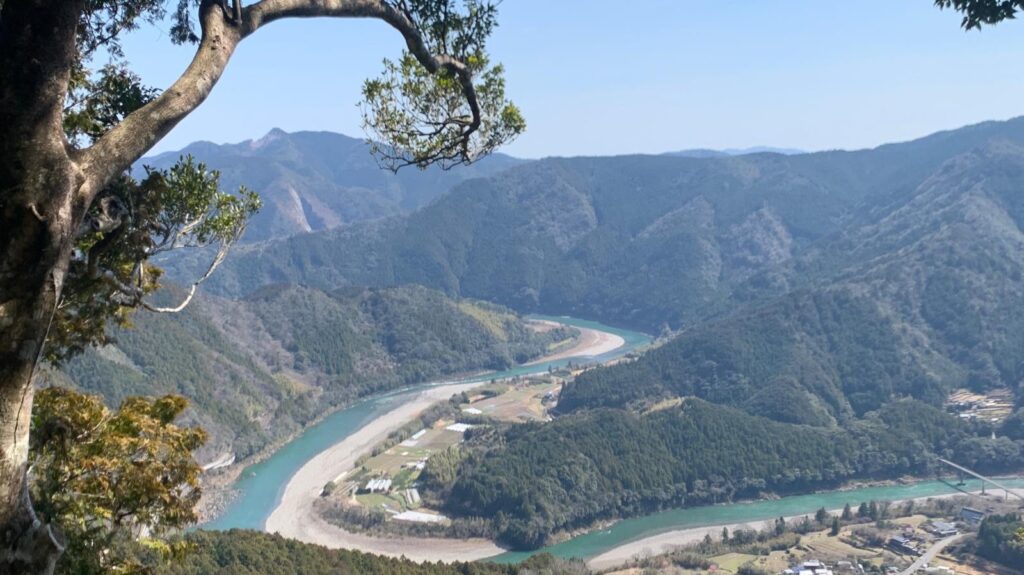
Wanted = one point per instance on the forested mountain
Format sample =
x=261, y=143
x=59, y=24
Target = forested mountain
x=259, y=368
x=927, y=298
x=536, y=479
x=313, y=181
x=909, y=300
x=848, y=277
x=645, y=241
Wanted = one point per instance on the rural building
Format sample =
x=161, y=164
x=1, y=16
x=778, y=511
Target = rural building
x=810, y=567
x=902, y=545
x=941, y=529
x=972, y=516
x=378, y=486
x=844, y=567
x=418, y=465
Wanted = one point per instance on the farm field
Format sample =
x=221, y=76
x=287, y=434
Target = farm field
x=993, y=406
x=519, y=400
x=526, y=401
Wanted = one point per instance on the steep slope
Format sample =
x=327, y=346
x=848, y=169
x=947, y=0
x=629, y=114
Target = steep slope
x=312, y=181
x=258, y=369
x=931, y=301
x=642, y=241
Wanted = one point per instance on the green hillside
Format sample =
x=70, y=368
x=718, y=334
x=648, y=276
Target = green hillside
x=933, y=300
x=259, y=368
x=534, y=480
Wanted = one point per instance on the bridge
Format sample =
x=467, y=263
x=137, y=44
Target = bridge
x=983, y=479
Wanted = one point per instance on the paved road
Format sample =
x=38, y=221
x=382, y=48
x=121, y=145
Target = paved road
x=930, y=554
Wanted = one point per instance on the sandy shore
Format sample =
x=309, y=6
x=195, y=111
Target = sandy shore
x=666, y=542
x=295, y=517
x=591, y=343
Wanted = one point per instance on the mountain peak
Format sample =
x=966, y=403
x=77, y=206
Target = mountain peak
x=271, y=136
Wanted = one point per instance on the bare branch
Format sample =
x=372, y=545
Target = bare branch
x=221, y=254
x=136, y=294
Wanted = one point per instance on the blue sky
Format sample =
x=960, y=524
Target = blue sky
x=597, y=77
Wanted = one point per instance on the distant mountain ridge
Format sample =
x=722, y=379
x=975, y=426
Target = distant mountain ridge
x=711, y=153
x=643, y=241
x=313, y=181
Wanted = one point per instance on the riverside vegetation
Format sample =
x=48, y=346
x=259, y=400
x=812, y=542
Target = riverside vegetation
x=240, y=552
x=535, y=480
x=258, y=369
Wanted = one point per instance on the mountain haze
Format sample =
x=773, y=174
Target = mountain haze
x=710, y=153
x=311, y=181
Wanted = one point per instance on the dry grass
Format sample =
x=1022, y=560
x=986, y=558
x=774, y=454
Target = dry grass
x=833, y=548
x=494, y=322
x=523, y=402
x=731, y=562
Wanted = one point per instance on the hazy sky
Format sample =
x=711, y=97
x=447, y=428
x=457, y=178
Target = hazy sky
x=596, y=77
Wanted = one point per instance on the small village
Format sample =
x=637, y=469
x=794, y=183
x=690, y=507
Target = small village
x=923, y=538
x=387, y=480
x=992, y=406
x=882, y=539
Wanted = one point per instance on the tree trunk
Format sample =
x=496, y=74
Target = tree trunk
x=35, y=257
x=39, y=213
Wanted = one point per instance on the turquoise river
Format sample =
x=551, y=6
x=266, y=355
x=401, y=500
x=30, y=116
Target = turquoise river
x=628, y=530
x=260, y=485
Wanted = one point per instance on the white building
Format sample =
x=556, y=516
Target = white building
x=378, y=486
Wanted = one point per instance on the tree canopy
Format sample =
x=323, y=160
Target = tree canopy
x=111, y=479
x=983, y=12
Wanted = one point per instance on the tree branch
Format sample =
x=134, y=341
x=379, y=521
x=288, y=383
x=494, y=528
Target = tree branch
x=221, y=254
x=137, y=133
x=137, y=296
x=140, y=130
x=267, y=11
